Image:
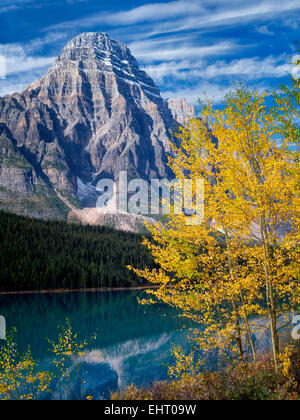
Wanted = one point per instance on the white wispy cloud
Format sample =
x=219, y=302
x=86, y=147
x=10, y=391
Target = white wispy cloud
x=21, y=68
x=17, y=65
x=7, y=5
x=51, y=38
x=293, y=23
x=10, y=88
x=148, y=53
x=203, y=91
x=23, y=64
x=264, y=30
x=253, y=68
x=17, y=61
x=186, y=14
x=152, y=12
x=11, y=5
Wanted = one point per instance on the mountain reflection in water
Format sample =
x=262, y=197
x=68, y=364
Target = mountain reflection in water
x=133, y=341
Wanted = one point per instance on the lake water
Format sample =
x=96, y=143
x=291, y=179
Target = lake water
x=132, y=346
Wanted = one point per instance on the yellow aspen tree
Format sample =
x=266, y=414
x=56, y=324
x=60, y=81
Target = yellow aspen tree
x=19, y=378
x=69, y=353
x=197, y=272
x=290, y=95
x=237, y=264
x=258, y=171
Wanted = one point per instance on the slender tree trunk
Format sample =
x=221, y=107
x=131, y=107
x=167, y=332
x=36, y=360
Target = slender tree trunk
x=268, y=283
x=270, y=295
x=248, y=329
x=238, y=331
x=234, y=304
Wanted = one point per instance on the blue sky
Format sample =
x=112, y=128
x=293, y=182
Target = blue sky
x=192, y=48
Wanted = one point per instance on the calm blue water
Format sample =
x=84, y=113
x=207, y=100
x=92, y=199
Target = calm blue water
x=132, y=345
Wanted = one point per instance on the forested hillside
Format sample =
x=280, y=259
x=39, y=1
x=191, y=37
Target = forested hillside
x=38, y=255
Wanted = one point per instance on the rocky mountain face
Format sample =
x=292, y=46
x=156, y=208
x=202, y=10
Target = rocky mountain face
x=92, y=115
x=181, y=110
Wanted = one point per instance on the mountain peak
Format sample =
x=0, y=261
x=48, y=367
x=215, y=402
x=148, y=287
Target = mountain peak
x=90, y=36
x=97, y=44
x=95, y=57
x=95, y=113
x=96, y=40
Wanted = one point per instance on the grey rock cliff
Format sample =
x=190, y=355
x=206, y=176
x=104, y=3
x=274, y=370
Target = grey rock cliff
x=181, y=110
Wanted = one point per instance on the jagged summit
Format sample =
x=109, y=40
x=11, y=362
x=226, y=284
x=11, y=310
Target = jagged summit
x=95, y=113
x=95, y=52
x=99, y=42
x=98, y=52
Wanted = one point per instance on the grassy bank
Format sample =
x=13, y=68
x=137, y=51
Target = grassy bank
x=240, y=381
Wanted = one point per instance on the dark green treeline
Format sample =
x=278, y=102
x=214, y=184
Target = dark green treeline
x=39, y=255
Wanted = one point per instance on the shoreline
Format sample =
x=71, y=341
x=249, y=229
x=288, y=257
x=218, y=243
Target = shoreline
x=57, y=291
